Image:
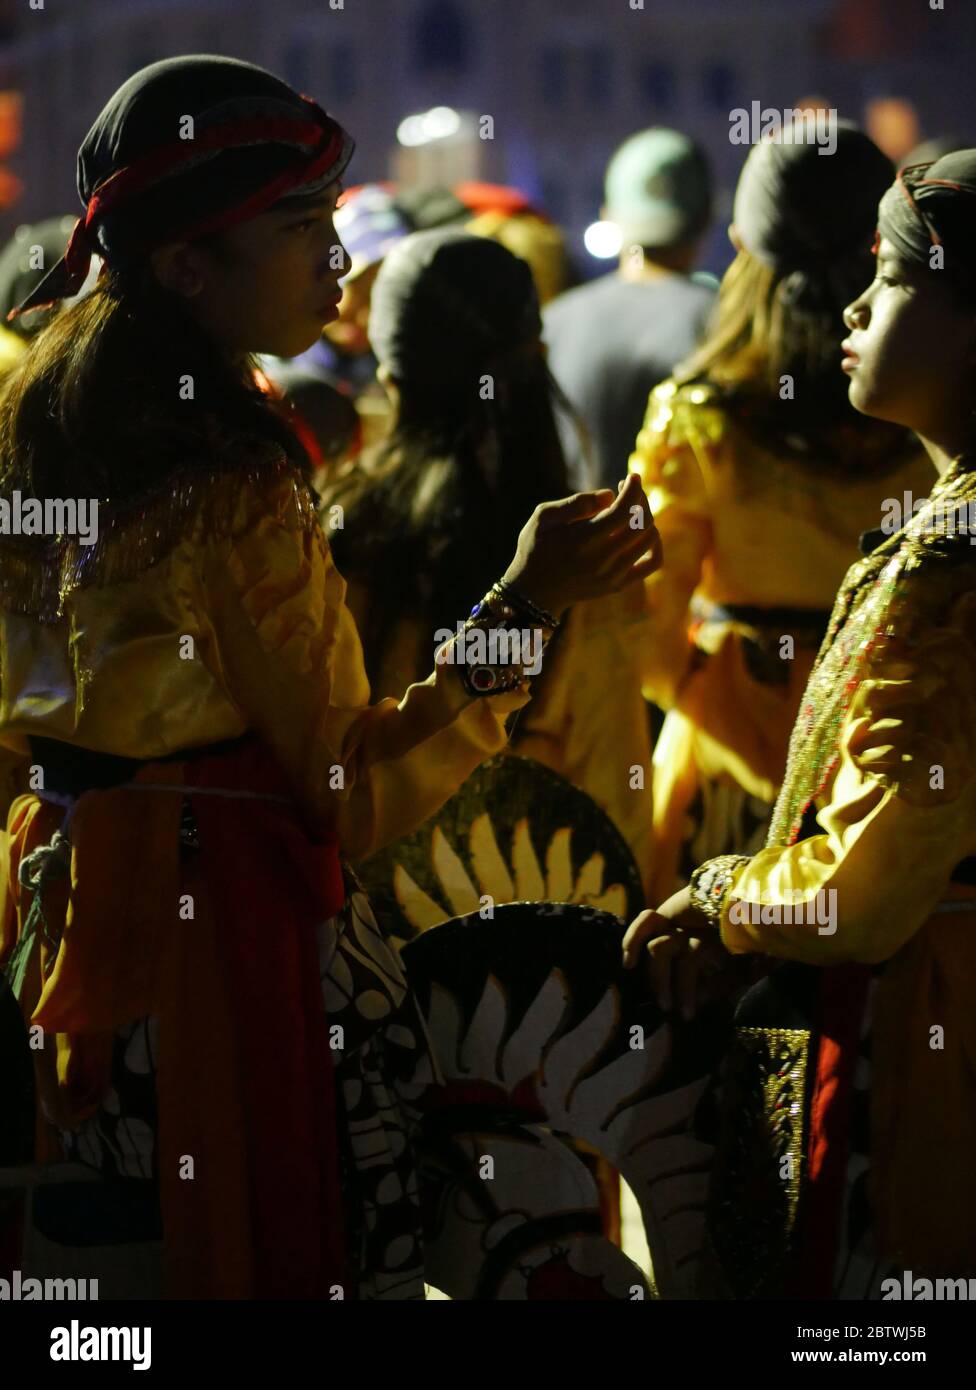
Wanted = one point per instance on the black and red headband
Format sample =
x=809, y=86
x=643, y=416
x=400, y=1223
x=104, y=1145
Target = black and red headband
x=934, y=204
x=257, y=113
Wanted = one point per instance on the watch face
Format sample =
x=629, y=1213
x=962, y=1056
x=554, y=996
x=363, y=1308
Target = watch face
x=483, y=677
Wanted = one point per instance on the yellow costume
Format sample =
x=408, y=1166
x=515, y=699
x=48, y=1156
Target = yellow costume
x=207, y=611
x=587, y=719
x=748, y=526
x=885, y=746
x=214, y=609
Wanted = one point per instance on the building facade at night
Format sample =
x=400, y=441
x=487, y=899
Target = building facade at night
x=564, y=81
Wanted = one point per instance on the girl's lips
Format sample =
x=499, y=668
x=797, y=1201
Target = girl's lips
x=330, y=301
x=850, y=358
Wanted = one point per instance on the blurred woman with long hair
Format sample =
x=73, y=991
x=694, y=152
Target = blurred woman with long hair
x=455, y=325
x=761, y=478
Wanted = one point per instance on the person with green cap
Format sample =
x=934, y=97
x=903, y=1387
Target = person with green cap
x=612, y=340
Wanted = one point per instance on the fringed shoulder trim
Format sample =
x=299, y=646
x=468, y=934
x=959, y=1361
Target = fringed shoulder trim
x=686, y=414
x=212, y=499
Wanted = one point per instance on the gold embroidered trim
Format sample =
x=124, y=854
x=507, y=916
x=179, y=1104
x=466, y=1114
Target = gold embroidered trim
x=37, y=574
x=869, y=612
x=762, y=1157
x=711, y=883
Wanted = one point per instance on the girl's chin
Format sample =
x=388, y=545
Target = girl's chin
x=857, y=392
x=298, y=342
x=870, y=402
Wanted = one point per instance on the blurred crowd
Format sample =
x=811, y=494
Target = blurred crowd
x=652, y=367
x=701, y=683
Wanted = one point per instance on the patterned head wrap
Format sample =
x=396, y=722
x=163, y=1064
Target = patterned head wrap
x=934, y=204
x=186, y=148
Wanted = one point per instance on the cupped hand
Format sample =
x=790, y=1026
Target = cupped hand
x=684, y=954
x=586, y=546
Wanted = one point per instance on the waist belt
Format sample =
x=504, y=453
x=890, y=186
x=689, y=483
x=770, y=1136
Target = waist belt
x=810, y=623
x=70, y=770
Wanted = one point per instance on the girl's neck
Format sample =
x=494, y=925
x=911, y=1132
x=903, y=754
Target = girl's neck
x=944, y=450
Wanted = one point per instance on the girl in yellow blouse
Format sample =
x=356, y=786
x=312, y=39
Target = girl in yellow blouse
x=189, y=751
x=761, y=477
x=868, y=870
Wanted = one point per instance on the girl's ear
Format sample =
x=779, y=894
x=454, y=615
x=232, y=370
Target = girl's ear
x=175, y=265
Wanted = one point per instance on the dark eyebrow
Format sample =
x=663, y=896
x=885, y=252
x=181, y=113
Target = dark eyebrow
x=295, y=207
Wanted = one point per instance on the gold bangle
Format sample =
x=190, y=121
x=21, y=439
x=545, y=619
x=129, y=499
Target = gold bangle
x=710, y=884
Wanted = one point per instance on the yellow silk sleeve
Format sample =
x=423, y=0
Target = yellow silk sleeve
x=670, y=457
x=901, y=814
x=588, y=721
x=277, y=634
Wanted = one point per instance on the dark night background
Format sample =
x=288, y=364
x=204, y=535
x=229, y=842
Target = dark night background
x=563, y=80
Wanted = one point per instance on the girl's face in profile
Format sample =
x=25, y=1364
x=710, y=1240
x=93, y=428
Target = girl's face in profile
x=269, y=284
x=911, y=350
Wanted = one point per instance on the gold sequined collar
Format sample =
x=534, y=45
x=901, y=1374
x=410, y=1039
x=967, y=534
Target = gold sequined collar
x=864, y=618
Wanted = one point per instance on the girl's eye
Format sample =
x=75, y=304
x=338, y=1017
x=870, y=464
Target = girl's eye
x=303, y=225
x=886, y=280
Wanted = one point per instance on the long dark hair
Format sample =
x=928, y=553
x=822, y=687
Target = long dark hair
x=433, y=520
x=101, y=404
x=436, y=521
x=758, y=334
x=762, y=331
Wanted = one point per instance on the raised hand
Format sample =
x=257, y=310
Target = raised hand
x=585, y=546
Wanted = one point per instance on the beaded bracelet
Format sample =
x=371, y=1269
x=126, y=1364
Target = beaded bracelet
x=524, y=605
x=710, y=884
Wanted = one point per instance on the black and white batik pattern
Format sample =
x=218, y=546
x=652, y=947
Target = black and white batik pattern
x=367, y=997
x=119, y=1140
x=376, y=1033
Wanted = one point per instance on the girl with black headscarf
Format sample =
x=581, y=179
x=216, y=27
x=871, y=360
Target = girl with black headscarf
x=189, y=751
x=761, y=477
x=855, y=1178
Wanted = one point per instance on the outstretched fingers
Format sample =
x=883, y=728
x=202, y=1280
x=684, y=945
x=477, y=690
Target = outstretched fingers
x=578, y=507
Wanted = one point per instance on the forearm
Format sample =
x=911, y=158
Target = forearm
x=410, y=757
x=857, y=892
x=402, y=762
